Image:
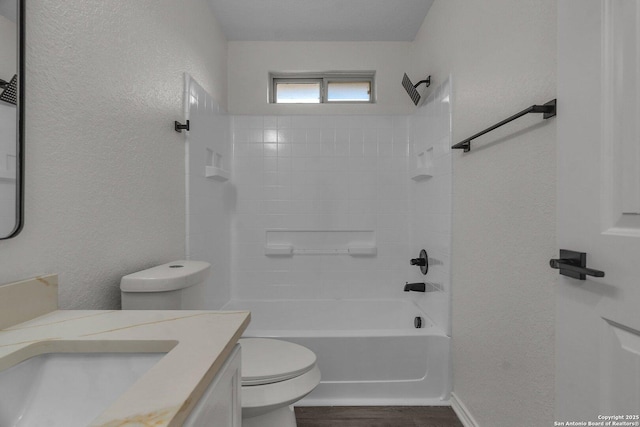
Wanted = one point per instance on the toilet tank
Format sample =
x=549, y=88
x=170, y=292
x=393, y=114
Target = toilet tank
x=162, y=287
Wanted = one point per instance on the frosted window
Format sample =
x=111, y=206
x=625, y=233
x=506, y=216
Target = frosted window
x=322, y=87
x=349, y=91
x=298, y=93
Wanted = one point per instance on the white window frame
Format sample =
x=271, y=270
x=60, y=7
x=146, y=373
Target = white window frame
x=324, y=78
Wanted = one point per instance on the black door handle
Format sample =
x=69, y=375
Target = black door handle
x=574, y=264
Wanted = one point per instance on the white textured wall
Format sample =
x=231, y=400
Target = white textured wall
x=104, y=168
x=251, y=62
x=502, y=55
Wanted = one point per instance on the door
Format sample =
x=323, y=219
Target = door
x=598, y=319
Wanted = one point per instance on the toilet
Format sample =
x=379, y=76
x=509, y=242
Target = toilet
x=275, y=373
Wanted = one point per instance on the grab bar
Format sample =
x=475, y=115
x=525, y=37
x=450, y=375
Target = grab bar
x=548, y=110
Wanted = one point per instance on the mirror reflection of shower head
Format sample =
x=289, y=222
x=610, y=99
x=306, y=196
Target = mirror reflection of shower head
x=10, y=90
x=411, y=88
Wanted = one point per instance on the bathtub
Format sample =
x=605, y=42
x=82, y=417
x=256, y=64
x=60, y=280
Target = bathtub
x=369, y=351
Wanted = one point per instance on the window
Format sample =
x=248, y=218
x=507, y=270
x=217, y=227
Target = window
x=316, y=88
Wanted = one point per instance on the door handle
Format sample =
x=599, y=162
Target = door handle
x=574, y=264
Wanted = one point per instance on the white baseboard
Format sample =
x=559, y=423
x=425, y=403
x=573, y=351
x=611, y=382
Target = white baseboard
x=462, y=412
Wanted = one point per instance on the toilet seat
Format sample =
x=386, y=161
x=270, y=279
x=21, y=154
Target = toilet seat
x=275, y=374
x=269, y=361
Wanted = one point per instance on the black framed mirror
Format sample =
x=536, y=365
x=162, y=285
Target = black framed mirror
x=12, y=34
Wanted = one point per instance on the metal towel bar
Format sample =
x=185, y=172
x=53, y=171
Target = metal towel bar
x=548, y=110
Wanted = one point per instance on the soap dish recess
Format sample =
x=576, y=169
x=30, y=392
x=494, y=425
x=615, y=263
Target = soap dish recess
x=421, y=173
x=423, y=165
x=216, y=173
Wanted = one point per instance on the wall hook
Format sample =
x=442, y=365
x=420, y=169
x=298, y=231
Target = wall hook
x=179, y=127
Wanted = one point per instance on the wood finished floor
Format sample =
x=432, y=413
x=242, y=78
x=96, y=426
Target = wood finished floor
x=377, y=416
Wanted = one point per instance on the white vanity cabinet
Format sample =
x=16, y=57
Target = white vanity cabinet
x=220, y=404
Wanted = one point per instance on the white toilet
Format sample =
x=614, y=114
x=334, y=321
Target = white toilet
x=275, y=374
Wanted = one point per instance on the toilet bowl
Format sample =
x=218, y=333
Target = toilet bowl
x=275, y=373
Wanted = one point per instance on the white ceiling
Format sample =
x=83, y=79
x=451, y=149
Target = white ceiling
x=321, y=20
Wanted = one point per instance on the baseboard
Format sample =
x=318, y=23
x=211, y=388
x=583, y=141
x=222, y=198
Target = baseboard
x=462, y=412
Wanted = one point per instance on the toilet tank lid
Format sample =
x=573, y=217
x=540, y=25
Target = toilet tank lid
x=166, y=277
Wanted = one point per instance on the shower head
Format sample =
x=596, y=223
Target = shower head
x=10, y=92
x=411, y=88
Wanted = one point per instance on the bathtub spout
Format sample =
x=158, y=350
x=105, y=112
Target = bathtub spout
x=415, y=287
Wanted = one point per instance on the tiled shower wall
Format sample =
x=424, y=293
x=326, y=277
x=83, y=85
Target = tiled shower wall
x=318, y=177
x=321, y=174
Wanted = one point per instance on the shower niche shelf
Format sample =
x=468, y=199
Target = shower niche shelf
x=423, y=168
x=320, y=242
x=214, y=169
x=6, y=175
x=217, y=174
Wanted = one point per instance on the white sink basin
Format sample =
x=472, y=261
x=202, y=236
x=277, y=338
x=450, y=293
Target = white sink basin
x=67, y=390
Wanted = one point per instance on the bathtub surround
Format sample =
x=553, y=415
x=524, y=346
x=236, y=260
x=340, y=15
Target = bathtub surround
x=210, y=202
x=322, y=179
x=105, y=171
x=429, y=167
x=322, y=215
x=504, y=196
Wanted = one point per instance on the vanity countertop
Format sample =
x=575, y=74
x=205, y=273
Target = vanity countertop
x=197, y=344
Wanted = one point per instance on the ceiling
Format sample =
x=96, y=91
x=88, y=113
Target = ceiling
x=320, y=20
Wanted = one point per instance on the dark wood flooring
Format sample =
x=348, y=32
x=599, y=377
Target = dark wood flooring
x=377, y=416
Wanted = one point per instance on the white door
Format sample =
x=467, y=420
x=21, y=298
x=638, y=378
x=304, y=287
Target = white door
x=598, y=319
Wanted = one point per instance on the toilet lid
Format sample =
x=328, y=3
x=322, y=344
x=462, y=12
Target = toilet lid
x=266, y=361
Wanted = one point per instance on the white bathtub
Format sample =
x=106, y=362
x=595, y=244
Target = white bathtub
x=369, y=351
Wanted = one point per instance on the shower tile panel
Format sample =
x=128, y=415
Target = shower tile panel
x=330, y=173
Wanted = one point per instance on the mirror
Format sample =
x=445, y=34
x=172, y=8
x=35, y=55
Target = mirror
x=11, y=117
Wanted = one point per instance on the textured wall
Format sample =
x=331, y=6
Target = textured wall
x=105, y=170
x=502, y=55
x=251, y=62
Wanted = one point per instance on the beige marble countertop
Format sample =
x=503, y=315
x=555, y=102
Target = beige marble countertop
x=197, y=344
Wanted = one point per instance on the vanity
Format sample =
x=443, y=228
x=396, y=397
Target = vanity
x=189, y=367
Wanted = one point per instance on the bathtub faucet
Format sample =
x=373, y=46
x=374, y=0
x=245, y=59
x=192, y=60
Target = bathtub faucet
x=415, y=287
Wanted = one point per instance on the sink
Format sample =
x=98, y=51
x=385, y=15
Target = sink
x=67, y=389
